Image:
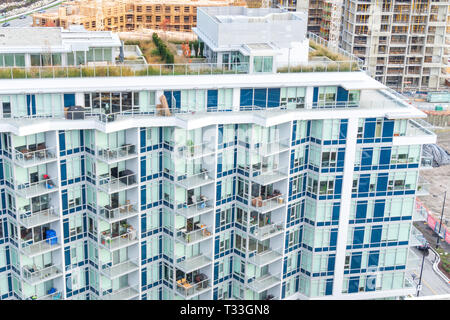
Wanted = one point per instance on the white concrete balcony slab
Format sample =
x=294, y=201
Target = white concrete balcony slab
x=265, y=282
x=193, y=263
x=125, y=293
x=265, y=257
x=116, y=270
x=191, y=181
x=37, y=248
x=34, y=276
x=34, y=219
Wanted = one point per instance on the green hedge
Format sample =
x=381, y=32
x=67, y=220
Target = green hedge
x=163, y=51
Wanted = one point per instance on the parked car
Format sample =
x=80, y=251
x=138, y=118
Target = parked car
x=424, y=245
x=41, y=11
x=6, y=24
x=23, y=17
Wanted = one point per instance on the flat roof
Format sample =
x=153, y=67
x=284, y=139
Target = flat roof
x=349, y=80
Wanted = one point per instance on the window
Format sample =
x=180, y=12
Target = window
x=262, y=64
x=225, y=215
x=327, y=96
x=293, y=98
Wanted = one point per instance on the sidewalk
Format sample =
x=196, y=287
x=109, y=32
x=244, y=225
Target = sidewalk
x=431, y=236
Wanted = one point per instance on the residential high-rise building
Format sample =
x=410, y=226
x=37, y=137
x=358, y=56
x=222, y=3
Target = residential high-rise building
x=206, y=183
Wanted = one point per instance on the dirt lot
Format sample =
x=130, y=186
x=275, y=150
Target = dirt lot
x=439, y=179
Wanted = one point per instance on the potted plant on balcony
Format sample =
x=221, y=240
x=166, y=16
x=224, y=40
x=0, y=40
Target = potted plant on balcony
x=190, y=144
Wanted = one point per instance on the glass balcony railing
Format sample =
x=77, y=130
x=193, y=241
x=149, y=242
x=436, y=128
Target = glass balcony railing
x=117, y=154
x=192, y=210
x=125, y=293
x=111, y=184
x=188, y=290
x=34, y=275
x=190, y=181
x=30, y=190
x=193, y=236
x=33, y=219
x=270, y=148
x=264, y=282
x=422, y=187
x=53, y=296
x=26, y=157
x=265, y=257
x=119, y=269
x=31, y=248
x=426, y=162
x=192, y=263
x=119, y=241
x=121, y=212
x=420, y=213
x=266, y=231
x=193, y=151
x=269, y=174
x=272, y=203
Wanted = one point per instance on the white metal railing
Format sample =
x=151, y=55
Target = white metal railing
x=190, y=181
x=261, y=232
x=111, y=154
x=112, y=270
x=191, y=210
x=33, y=248
x=194, y=235
x=121, y=212
x=28, y=157
x=112, y=184
x=115, y=242
x=268, y=204
x=193, y=151
x=32, y=275
x=122, y=293
x=268, y=174
x=265, y=256
x=267, y=148
x=187, y=289
x=265, y=282
x=36, y=188
x=29, y=218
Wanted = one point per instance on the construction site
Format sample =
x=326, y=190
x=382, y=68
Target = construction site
x=129, y=15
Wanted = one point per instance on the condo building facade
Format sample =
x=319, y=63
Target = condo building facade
x=250, y=185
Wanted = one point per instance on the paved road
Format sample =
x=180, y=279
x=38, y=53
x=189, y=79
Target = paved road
x=432, y=284
x=27, y=22
x=431, y=236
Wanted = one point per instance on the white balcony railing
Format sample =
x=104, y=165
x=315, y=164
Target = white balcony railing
x=32, y=219
x=265, y=282
x=266, y=231
x=267, y=256
x=124, y=239
x=116, y=154
x=268, y=204
x=190, y=181
x=270, y=148
x=187, y=289
x=34, y=275
x=194, y=235
x=193, y=151
x=125, y=293
x=29, y=190
x=116, y=270
x=111, y=184
x=194, y=209
x=122, y=212
x=32, y=248
x=26, y=157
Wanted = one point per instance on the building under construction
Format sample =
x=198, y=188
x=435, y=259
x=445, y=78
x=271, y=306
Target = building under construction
x=128, y=15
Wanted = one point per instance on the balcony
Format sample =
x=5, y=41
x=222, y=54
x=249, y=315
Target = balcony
x=268, y=204
x=37, y=248
x=191, y=181
x=116, y=270
x=57, y=295
x=265, y=257
x=268, y=175
x=420, y=213
x=125, y=293
x=33, y=219
x=422, y=187
x=193, y=263
x=33, y=276
x=28, y=158
x=111, y=184
x=124, y=152
x=194, y=236
x=195, y=209
x=267, y=231
x=124, y=211
x=115, y=242
x=190, y=152
x=271, y=148
x=426, y=162
x=189, y=290
x=264, y=282
x=29, y=190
